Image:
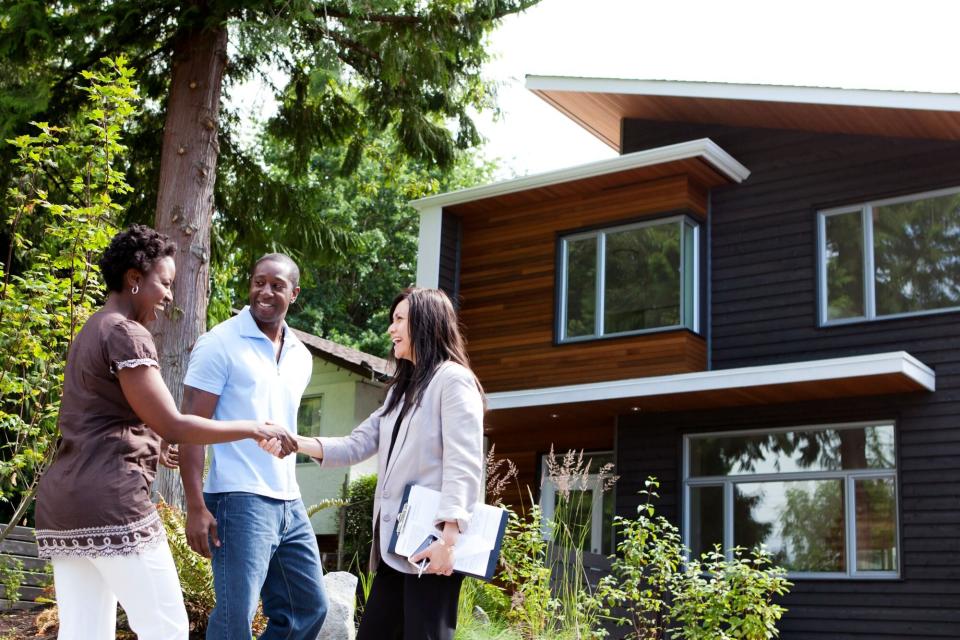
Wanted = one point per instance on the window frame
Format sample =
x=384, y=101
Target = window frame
x=849, y=478
x=685, y=221
x=869, y=272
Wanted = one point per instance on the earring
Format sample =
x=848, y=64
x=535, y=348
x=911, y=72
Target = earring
x=135, y=290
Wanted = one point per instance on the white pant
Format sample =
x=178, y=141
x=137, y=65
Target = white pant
x=146, y=585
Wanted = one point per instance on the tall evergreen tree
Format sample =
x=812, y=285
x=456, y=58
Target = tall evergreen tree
x=353, y=70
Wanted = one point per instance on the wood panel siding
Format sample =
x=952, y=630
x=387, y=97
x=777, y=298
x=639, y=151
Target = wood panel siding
x=507, y=291
x=764, y=310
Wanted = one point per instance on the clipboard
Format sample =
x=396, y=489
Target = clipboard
x=478, y=549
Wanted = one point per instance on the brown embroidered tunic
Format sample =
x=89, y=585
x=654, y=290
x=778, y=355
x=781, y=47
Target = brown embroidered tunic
x=95, y=498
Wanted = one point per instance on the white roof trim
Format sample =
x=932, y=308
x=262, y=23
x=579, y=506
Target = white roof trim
x=912, y=100
x=785, y=373
x=703, y=148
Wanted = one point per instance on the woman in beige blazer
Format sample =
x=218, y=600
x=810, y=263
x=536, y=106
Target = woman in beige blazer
x=428, y=432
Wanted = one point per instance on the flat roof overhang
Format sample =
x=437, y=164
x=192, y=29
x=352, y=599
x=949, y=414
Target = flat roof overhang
x=600, y=104
x=703, y=158
x=866, y=375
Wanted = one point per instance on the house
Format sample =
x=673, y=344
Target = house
x=757, y=303
x=347, y=386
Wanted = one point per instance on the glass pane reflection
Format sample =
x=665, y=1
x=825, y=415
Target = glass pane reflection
x=642, y=278
x=581, y=293
x=706, y=519
x=870, y=447
x=916, y=257
x=800, y=523
x=876, y=505
x=844, y=256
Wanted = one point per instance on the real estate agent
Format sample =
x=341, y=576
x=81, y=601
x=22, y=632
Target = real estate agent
x=428, y=432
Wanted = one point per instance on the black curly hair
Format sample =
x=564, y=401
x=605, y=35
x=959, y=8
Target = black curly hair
x=136, y=247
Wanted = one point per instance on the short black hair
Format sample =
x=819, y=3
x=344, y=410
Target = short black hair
x=136, y=247
x=283, y=259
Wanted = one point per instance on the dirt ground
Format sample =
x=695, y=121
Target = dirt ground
x=17, y=625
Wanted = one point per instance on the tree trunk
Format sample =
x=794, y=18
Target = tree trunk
x=188, y=166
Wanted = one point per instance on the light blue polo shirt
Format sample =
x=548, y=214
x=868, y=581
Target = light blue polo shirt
x=236, y=361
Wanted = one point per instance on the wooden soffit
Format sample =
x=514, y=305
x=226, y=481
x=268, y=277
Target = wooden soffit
x=600, y=104
x=875, y=374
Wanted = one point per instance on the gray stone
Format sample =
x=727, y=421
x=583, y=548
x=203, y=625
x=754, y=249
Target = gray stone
x=341, y=589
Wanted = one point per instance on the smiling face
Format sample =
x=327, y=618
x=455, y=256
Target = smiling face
x=154, y=289
x=272, y=291
x=399, y=332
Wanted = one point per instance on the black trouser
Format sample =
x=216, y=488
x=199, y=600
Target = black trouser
x=401, y=605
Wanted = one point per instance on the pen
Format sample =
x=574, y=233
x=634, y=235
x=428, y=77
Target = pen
x=421, y=566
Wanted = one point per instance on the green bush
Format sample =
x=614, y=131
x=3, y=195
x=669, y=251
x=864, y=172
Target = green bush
x=649, y=555
x=58, y=216
x=358, y=523
x=658, y=592
x=11, y=577
x=719, y=599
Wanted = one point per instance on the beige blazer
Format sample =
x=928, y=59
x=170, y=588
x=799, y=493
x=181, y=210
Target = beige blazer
x=439, y=445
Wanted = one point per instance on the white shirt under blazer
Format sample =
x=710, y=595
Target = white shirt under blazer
x=439, y=445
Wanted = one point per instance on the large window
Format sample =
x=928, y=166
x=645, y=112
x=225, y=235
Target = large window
x=629, y=279
x=308, y=420
x=890, y=258
x=822, y=500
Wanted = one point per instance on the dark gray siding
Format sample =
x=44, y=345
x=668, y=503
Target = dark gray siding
x=764, y=310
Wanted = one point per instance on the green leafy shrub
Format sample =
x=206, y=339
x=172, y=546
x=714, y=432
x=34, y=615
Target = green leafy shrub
x=720, y=599
x=658, y=592
x=11, y=577
x=525, y=572
x=358, y=523
x=649, y=554
x=58, y=217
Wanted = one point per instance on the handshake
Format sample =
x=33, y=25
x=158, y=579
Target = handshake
x=276, y=439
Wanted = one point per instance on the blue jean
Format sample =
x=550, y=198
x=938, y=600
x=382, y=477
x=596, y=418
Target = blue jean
x=267, y=549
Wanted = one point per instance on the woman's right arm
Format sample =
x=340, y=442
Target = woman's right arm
x=144, y=389
x=362, y=443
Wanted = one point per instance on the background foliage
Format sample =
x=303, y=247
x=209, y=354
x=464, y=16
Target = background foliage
x=61, y=214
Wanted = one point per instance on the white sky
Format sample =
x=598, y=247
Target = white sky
x=907, y=45
x=911, y=45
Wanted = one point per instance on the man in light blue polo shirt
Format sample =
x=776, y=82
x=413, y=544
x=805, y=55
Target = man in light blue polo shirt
x=249, y=509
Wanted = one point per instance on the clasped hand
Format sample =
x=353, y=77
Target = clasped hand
x=281, y=442
x=275, y=447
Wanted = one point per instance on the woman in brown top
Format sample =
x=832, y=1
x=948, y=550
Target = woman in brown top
x=94, y=515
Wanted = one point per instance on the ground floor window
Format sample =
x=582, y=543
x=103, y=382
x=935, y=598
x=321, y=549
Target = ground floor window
x=822, y=499
x=308, y=420
x=578, y=495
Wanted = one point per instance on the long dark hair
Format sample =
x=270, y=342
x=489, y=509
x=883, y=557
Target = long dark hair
x=436, y=338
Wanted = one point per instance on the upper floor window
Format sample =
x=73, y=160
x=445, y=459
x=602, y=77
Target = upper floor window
x=821, y=499
x=629, y=279
x=890, y=258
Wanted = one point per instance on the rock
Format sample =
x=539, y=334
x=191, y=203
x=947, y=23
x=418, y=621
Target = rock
x=480, y=615
x=341, y=589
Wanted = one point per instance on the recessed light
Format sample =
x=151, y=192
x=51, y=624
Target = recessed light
x=554, y=415
x=634, y=408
